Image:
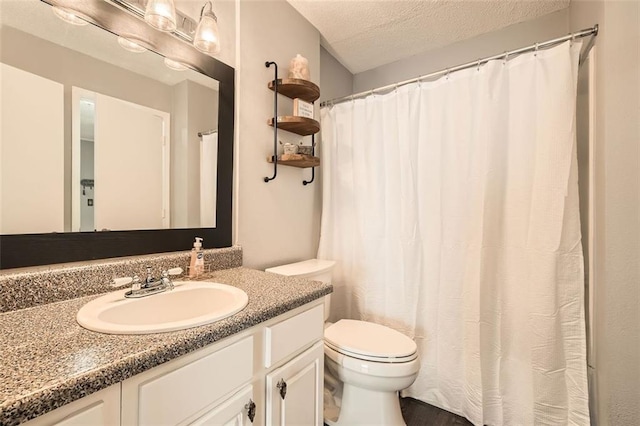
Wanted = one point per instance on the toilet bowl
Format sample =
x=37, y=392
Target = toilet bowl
x=373, y=363
x=366, y=364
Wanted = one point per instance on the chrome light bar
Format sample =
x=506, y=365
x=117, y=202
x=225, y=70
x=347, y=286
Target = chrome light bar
x=185, y=26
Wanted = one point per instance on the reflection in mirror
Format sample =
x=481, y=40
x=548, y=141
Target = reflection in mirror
x=95, y=137
x=36, y=169
x=109, y=127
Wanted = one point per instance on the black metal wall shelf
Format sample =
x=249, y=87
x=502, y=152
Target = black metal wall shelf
x=293, y=88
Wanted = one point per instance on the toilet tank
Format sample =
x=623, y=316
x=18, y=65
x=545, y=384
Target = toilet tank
x=312, y=269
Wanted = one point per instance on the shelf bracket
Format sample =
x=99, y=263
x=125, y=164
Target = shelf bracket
x=313, y=169
x=275, y=122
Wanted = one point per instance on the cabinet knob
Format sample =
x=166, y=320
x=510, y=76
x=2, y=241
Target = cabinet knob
x=282, y=385
x=251, y=409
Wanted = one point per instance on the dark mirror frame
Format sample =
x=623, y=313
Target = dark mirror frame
x=49, y=248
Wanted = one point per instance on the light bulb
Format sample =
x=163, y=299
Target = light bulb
x=161, y=15
x=70, y=16
x=133, y=44
x=175, y=65
x=207, y=37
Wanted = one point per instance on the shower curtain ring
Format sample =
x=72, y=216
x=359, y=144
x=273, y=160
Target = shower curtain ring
x=446, y=74
x=478, y=68
x=535, y=49
x=506, y=56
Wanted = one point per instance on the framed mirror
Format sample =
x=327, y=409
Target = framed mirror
x=106, y=152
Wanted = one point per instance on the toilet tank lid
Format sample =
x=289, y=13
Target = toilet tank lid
x=303, y=269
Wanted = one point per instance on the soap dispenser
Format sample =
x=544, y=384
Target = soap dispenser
x=196, y=267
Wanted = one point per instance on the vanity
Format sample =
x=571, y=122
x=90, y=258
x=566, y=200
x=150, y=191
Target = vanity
x=262, y=365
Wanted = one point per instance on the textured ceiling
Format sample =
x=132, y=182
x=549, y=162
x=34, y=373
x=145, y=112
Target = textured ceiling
x=365, y=34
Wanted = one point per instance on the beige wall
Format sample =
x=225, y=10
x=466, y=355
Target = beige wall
x=617, y=227
x=279, y=221
x=335, y=80
x=72, y=68
x=195, y=109
x=31, y=139
x=515, y=36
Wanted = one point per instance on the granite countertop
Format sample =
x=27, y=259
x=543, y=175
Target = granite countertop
x=47, y=360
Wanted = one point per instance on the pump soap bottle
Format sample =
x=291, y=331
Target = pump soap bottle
x=196, y=267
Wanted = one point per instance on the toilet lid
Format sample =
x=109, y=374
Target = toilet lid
x=369, y=340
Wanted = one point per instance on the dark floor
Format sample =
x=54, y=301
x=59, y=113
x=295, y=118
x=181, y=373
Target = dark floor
x=418, y=413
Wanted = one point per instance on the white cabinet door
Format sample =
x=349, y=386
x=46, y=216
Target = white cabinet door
x=239, y=410
x=294, y=391
x=100, y=408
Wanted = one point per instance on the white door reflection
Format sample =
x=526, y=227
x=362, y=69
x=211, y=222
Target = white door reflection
x=122, y=157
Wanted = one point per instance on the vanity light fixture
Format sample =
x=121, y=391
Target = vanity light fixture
x=70, y=16
x=133, y=44
x=207, y=37
x=161, y=15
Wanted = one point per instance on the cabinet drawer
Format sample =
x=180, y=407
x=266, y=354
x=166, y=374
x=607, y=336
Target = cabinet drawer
x=172, y=397
x=288, y=336
x=100, y=408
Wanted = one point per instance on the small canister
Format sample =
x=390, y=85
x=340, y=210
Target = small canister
x=290, y=148
x=299, y=68
x=304, y=149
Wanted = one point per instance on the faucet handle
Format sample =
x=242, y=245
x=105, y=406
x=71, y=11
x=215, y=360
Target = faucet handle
x=136, y=283
x=172, y=272
x=149, y=276
x=119, y=282
x=175, y=271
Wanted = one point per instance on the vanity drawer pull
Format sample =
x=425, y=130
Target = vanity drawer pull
x=282, y=386
x=251, y=409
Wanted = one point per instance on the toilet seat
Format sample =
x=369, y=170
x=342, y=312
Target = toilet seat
x=372, y=369
x=388, y=360
x=369, y=342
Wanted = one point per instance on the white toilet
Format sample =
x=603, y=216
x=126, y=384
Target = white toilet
x=366, y=364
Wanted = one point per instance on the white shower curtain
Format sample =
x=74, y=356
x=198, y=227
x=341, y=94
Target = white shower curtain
x=452, y=210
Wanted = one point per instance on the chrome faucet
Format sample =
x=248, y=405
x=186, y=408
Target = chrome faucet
x=150, y=285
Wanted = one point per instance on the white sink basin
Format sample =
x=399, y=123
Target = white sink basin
x=189, y=304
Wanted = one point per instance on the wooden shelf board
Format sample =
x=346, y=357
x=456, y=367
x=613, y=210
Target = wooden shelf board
x=300, y=125
x=297, y=88
x=296, y=160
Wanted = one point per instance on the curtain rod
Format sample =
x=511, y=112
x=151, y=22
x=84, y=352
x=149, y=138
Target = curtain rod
x=579, y=34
